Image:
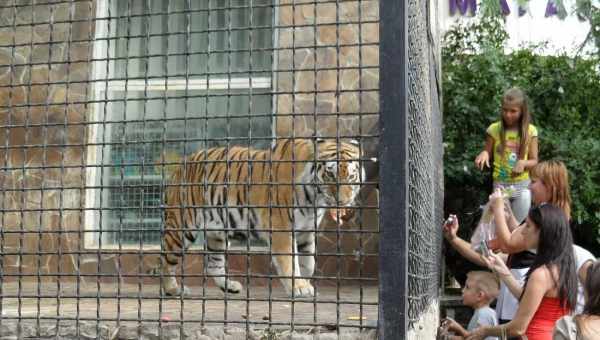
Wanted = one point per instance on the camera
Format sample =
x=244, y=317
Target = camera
x=449, y=220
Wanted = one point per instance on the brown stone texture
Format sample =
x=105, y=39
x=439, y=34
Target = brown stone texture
x=326, y=78
x=327, y=68
x=43, y=75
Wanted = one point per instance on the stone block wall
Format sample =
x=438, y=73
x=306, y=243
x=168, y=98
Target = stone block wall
x=44, y=67
x=327, y=68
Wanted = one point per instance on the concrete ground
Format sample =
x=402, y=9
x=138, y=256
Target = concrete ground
x=125, y=309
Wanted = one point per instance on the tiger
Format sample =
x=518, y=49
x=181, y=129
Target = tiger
x=278, y=195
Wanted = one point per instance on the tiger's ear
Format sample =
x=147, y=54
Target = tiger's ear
x=316, y=137
x=354, y=142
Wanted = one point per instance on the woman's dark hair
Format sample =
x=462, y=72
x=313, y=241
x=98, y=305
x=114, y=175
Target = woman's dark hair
x=592, y=287
x=555, y=248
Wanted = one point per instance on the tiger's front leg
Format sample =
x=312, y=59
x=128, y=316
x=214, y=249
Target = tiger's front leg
x=288, y=266
x=306, y=250
x=215, y=262
x=167, y=268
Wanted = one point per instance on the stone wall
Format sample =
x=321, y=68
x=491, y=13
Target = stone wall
x=43, y=88
x=326, y=80
x=327, y=66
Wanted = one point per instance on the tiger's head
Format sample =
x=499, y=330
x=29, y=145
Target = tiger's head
x=339, y=172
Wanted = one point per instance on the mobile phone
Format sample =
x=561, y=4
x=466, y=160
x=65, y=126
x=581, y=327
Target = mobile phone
x=484, y=249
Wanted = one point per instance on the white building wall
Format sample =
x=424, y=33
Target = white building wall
x=533, y=27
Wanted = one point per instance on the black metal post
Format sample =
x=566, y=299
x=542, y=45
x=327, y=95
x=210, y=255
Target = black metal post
x=393, y=171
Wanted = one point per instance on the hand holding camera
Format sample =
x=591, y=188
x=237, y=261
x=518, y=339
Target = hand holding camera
x=450, y=227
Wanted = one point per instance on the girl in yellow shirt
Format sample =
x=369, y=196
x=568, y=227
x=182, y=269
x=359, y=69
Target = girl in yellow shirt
x=512, y=143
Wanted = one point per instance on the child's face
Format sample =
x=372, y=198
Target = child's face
x=470, y=294
x=511, y=113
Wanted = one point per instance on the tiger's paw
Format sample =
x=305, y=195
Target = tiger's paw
x=303, y=289
x=233, y=287
x=176, y=291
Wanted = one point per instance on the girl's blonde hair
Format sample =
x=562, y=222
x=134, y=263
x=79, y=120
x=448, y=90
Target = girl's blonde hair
x=554, y=175
x=516, y=96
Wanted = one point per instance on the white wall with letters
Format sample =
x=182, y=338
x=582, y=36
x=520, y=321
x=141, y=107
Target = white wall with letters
x=531, y=28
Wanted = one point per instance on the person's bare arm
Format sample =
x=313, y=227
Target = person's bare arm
x=511, y=221
x=497, y=264
x=464, y=248
x=456, y=328
x=483, y=159
x=516, y=243
x=510, y=243
x=461, y=246
x=533, y=153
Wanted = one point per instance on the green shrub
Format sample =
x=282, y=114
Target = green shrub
x=564, y=95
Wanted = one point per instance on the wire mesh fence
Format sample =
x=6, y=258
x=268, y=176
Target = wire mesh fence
x=189, y=169
x=425, y=166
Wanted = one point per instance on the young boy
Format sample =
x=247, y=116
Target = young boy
x=480, y=290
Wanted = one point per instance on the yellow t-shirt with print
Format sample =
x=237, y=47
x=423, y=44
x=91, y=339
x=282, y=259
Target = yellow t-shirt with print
x=503, y=164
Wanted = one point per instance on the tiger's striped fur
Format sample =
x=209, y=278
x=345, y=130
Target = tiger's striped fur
x=268, y=194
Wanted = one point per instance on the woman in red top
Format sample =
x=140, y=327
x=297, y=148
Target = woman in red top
x=550, y=289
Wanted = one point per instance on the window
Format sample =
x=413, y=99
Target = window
x=169, y=79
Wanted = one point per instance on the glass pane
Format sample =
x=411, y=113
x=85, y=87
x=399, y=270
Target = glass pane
x=214, y=37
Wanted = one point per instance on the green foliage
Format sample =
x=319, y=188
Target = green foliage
x=565, y=101
x=589, y=10
x=491, y=8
